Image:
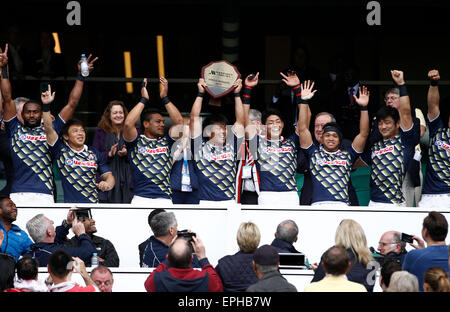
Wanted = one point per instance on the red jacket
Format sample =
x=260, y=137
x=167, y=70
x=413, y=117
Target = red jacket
x=169, y=279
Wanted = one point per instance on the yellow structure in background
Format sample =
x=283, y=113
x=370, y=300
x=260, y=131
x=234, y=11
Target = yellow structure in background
x=160, y=53
x=57, y=48
x=128, y=73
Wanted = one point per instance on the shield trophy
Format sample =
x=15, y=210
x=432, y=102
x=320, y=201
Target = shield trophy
x=219, y=78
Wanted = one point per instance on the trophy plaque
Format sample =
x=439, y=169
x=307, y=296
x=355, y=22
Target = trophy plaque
x=219, y=78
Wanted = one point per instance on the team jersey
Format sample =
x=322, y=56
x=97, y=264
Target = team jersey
x=330, y=172
x=151, y=164
x=437, y=178
x=31, y=157
x=276, y=162
x=78, y=171
x=389, y=160
x=216, y=168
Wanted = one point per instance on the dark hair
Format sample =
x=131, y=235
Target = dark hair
x=154, y=213
x=436, y=225
x=31, y=101
x=214, y=119
x=388, y=111
x=333, y=127
x=268, y=112
x=58, y=263
x=27, y=268
x=180, y=260
x=7, y=271
x=335, y=260
x=390, y=266
x=70, y=123
x=146, y=115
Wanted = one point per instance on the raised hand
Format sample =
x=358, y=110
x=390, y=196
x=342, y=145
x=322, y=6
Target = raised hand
x=4, y=56
x=113, y=150
x=397, y=76
x=47, y=97
x=201, y=85
x=306, y=89
x=90, y=63
x=144, y=92
x=164, y=87
x=363, y=99
x=291, y=79
x=237, y=85
x=122, y=152
x=253, y=82
x=434, y=75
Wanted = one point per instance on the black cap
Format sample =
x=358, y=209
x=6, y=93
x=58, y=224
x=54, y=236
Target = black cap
x=266, y=255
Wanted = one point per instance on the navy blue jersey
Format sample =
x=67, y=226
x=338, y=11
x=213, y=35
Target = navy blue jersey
x=31, y=157
x=151, y=165
x=437, y=178
x=330, y=172
x=78, y=170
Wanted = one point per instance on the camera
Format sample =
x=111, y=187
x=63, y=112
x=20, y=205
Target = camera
x=83, y=214
x=407, y=238
x=186, y=235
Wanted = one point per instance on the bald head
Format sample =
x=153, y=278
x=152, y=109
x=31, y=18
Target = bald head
x=180, y=254
x=390, y=242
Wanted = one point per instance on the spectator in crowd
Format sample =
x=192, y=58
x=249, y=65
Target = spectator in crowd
x=60, y=267
x=7, y=271
x=285, y=237
x=350, y=235
x=266, y=262
x=403, y=281
x=47, y=239
x=388, y=267
x=336, y=264
x=27, y=277
x=391, y=246
x=106, y=253
x=179, y=276
x=275, y=156
x=13, y=240
x=108, y=140
x=103, y=278
x=143, y=245
x=396, y=148
x=329, y=165
x=236, y=271
x=434, y=232
x=149, y=153
x=436, y=280
x=33, y=176
x=436, y=189
x=215, y=154
x=46, y=63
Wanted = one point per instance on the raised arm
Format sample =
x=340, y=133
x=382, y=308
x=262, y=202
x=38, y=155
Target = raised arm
x=47, y=98
x=304, y=114
x=404, y=108
x=433, y=94
x=9, y=108
x=238, y=126
x=363, y=100
x=129, y=127
x=195, y=125
x=250, y=82
x=174, y=113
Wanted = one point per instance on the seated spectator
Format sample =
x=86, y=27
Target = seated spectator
x=389, y=266
x=7, y=266
x=266, y=262
x=402, y=281
x=236, y=271
x=47, y=239
x=434, y=232
x=103, y=278
x=60, y=267
x=106, y=253
x=436, y=280
x=336, y=263
x=350, y=235
x=391, y=246
x=27, y=277
x=179, y=276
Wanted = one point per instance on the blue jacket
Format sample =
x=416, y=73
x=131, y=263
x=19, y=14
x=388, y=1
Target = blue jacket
x=16, y=242
x=42, y=251
x=236, y=271
x=283, y=246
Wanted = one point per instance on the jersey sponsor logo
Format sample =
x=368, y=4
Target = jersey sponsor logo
x=27, y=137
x=286, y=149
x=146, y=150
x=387, y=149
x=214, y=157
x=443, y=145
x=79, y=163
x=336, y=162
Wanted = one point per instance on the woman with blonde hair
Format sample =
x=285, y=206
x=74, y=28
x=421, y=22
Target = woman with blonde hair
x=108, y=140
x=436, y=280
x=236, y=271
x=351, y=236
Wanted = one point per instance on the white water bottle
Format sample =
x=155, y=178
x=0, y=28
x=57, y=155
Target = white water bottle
x=94, y=260
x=84, y=66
